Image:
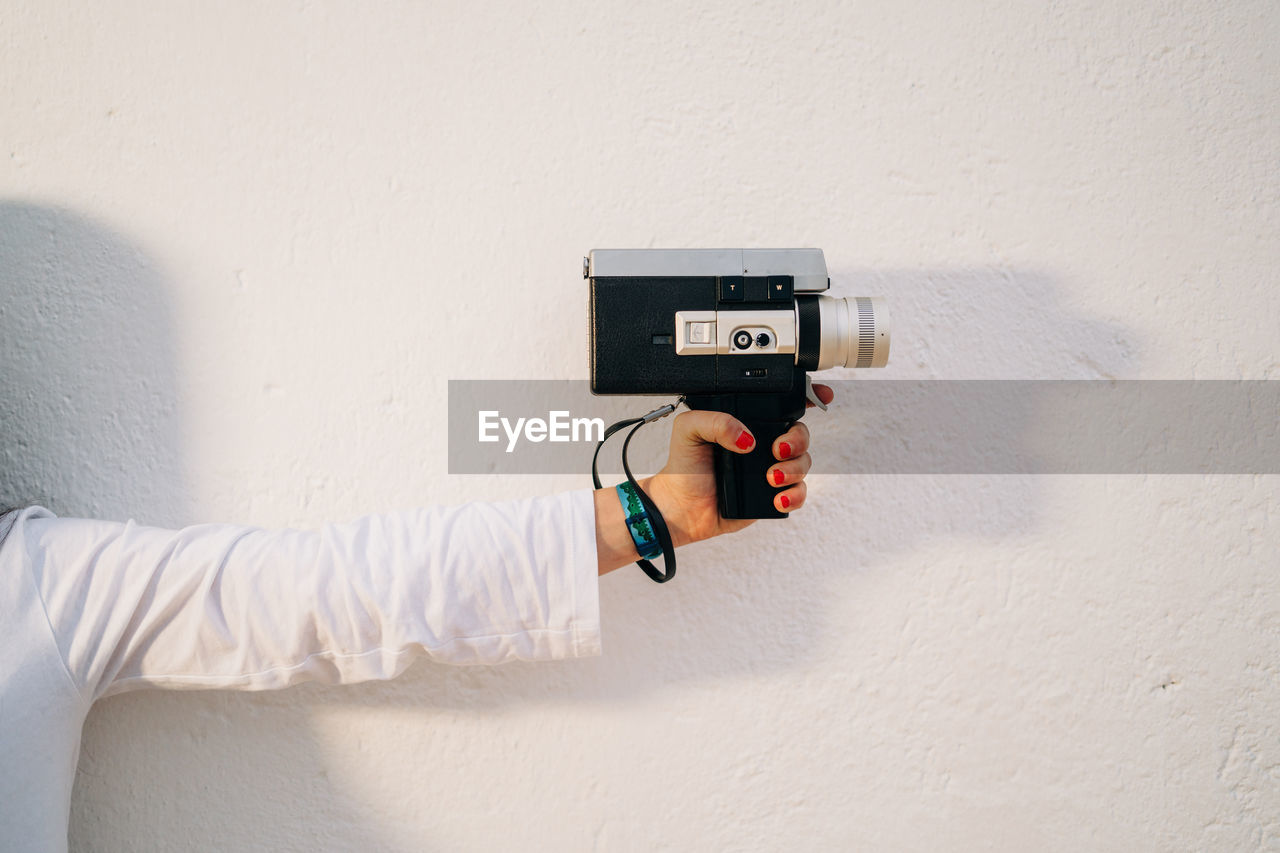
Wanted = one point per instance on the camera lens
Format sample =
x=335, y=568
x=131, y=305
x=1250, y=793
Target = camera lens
x=742, y=339
x=763, y=340
x=851, y=332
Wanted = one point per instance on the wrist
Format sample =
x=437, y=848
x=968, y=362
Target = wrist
x=614, y=546
x=670, y=509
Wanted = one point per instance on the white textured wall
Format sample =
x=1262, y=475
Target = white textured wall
x=246, y=244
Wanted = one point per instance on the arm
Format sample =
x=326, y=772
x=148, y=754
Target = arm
x=223, y=606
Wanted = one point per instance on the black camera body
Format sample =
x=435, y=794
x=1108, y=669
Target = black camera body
x=734, y=330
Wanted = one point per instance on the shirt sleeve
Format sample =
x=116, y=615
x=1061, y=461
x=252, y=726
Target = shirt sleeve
x=222, y=606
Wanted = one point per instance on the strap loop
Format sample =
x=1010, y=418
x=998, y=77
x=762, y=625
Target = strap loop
x=655, y=515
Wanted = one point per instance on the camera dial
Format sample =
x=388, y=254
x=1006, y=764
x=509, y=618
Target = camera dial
x=763, y=340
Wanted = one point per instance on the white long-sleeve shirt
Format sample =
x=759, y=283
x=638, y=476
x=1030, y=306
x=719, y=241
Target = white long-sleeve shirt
x=89, y=609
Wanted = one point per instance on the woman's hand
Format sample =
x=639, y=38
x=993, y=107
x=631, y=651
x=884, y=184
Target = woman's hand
x=685, y=489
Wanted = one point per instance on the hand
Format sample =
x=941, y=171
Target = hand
x=685, y=489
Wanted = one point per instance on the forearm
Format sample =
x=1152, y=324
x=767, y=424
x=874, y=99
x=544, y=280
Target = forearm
x=225, y=607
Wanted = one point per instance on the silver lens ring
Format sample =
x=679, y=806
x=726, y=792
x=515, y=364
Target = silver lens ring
x=854, y=332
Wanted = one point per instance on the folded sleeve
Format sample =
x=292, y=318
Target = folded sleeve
x=222, y=606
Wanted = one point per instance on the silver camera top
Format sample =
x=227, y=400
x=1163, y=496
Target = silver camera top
x=807, y=266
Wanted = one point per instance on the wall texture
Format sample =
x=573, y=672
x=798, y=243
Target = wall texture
x=245, y=245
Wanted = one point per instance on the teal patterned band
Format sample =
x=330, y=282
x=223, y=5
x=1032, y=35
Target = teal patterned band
x=638, y=521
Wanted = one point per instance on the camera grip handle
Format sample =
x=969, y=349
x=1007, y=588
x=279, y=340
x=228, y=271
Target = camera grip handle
x=742, y=479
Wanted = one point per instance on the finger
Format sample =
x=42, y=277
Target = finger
x=792, y=443
x=825, y=394
x=790, y=472
x=701, y=427
x=790, y=500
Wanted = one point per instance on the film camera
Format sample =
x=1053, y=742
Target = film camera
x=734, y=330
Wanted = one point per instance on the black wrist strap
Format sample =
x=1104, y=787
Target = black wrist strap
x=655, y=516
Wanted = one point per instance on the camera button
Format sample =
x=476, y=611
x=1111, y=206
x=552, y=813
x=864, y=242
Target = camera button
x=742, y=339
x=781, y=288
x=702, y=333
x=732, y=288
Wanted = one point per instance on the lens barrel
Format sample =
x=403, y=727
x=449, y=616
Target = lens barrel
x=852, y=332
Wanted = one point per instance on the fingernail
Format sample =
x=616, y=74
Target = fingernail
x=785, y=501
x=777, y=476
x=745, y=440
x=784, y=450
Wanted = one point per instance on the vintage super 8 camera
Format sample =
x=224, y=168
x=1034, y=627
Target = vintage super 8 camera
x=734, y=330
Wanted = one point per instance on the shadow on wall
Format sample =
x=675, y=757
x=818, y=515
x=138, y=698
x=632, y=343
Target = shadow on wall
x=91, y=426
x=89, y=394
x=773, y=597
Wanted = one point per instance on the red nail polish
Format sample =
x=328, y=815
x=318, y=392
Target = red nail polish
x=784, y=450
x=785, y=501
x=777, y=477
x=745, y=440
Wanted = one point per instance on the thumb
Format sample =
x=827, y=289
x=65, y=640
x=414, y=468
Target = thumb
x=693, y=432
